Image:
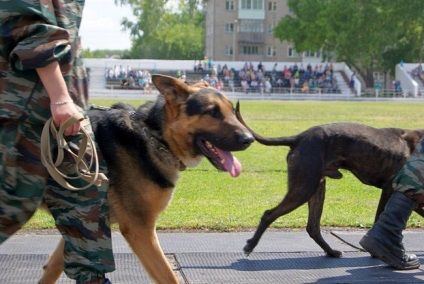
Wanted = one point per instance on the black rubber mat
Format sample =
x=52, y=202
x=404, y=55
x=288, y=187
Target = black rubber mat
x=281, y=257
x=22, y=269
x=302, y=267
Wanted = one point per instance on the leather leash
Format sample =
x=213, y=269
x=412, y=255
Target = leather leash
x=82, y=169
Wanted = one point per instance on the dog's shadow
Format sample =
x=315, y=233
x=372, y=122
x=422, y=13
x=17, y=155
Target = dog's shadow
x=310, y=262
x=318, y=268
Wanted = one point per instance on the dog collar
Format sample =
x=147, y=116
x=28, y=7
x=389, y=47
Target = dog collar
x=162, y=150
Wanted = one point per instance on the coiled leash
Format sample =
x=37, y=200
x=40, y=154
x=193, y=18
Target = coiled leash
x=81, y=168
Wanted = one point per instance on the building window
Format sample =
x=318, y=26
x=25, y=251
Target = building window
x=228, y=50
x=249, y=26
x=248, y=49
x=271, y=51
x=309, y=54
x=270, y=28
x=272, y=6
x=292, y=52
x=229, y=5
x=246, y=4
x=252, y=4
x=229, y=27
x=257, y=4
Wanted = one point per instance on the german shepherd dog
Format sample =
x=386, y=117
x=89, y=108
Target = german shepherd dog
x=373, y=155
x=145, y=149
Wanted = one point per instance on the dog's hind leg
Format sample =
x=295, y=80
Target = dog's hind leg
x=54, y=266
x=315, y=206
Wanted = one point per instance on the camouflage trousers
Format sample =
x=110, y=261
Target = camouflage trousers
x=410, y=179
x=81, y=216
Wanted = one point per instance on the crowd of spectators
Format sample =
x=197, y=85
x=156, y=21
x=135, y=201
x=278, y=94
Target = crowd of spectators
x=130, y=78
x=250, y=78
x=293, y=78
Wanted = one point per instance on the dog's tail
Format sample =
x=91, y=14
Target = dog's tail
x=274, y=141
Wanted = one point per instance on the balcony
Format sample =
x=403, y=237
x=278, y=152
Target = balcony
x=251, y=37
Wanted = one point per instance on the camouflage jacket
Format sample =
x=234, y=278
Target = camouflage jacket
x=33, y=34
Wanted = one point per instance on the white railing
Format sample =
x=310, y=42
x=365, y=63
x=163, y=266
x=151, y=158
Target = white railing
x=406, y=81
x=390, y=93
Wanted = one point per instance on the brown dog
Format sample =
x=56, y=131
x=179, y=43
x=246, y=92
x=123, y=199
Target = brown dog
x=373, y=155
x=146, y=148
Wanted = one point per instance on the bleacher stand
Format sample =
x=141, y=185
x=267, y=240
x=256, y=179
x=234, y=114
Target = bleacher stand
x=293, y=78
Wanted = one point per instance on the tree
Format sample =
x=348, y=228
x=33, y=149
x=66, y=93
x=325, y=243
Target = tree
x=163, y=32
x=369, y=35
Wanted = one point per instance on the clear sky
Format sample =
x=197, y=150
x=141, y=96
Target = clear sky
x=100, y=27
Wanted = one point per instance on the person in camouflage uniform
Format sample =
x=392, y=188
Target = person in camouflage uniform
x=384, y=239
x=42, y=76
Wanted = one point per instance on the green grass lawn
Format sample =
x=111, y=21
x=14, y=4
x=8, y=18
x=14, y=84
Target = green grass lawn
x=208, y=199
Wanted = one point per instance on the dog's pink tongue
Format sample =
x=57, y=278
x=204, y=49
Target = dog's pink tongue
x=231, y=164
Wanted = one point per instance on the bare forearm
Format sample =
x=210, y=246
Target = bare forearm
x=53, y=81
x=61, y=105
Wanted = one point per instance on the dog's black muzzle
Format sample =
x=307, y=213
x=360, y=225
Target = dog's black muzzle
x=244, y=140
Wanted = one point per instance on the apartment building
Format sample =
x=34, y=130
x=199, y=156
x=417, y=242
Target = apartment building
x=242, y=30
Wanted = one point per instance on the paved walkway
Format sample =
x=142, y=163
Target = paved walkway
x=280, y=257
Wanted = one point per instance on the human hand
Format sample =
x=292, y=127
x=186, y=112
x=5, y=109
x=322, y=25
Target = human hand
x=61, y=112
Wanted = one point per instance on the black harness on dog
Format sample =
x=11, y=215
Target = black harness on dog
x=162, y=150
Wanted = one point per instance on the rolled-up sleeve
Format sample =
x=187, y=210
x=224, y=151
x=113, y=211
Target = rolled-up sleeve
x=30, y=36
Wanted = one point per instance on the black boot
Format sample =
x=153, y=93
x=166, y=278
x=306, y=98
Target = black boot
x=384, y=239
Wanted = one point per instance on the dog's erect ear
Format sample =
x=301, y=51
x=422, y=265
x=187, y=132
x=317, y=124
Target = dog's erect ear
x=170, y=86
x=238, y=114
x=238, y=106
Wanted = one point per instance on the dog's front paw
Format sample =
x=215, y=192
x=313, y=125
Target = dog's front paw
x=248, y=248
x=335, y=253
